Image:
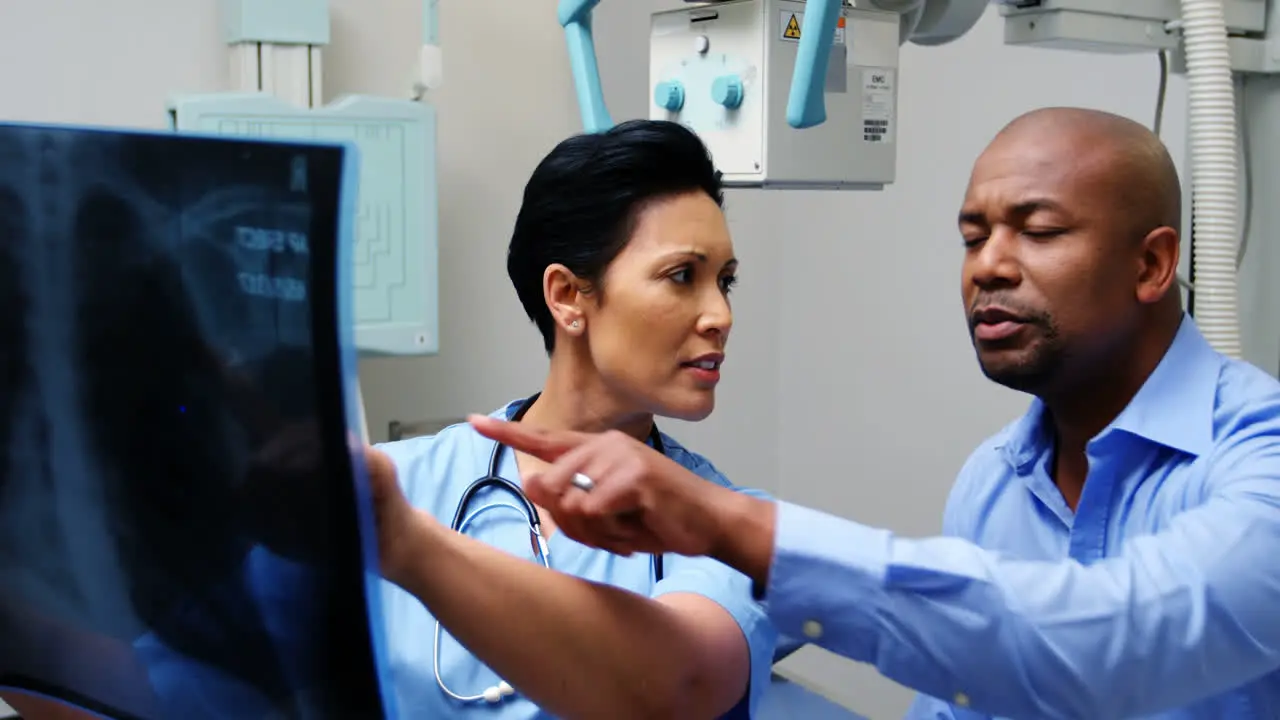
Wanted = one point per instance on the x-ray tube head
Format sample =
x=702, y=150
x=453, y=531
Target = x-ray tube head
x=785, y=93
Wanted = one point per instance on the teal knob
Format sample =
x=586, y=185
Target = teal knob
x=727, y=90
x=669, y=96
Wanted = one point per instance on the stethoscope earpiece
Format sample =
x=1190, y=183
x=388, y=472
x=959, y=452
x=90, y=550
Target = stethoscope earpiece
x=497, y=692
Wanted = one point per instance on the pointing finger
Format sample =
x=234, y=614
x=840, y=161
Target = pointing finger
x=542, y=444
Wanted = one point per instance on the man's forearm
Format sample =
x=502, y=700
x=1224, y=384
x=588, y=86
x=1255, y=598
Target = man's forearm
x=1171, y=621
x=575, y=648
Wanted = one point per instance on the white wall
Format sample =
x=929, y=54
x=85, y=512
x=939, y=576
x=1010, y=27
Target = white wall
x=850, y=383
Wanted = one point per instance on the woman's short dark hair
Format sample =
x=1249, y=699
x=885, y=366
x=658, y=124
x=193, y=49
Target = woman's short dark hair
x=580, y=205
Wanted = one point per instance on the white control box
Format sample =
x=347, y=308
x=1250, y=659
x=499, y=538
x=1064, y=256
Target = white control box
x=725, y=70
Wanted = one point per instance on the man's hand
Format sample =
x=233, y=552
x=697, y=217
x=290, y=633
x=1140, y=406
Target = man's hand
x=641, y=501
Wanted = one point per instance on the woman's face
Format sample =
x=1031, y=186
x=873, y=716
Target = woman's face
x=657, y=331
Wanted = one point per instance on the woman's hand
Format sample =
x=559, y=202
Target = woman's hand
x=286, y=504
x=403, y=530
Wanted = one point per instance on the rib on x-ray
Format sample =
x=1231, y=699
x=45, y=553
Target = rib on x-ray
x=180, y=529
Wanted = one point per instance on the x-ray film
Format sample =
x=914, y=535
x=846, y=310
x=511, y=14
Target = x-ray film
x=184, y=523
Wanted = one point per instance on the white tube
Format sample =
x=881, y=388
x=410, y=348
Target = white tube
x=1212, y=129
x=430, y=57
x=360, y=411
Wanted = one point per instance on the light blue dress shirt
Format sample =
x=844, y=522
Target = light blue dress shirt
x=434, y=471
x=1159, y=597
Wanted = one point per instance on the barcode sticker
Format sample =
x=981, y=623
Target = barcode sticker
x=877, y=105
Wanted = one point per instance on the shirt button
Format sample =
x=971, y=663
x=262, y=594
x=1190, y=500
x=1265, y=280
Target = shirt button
x=812, y=629
x=961, y=700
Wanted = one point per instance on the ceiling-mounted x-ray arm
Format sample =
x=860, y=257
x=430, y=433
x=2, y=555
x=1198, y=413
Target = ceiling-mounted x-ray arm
x=575, y=17
x=805, y=105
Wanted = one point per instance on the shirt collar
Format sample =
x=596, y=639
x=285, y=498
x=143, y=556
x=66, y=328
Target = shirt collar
x=1174, y=407
x=508, y=411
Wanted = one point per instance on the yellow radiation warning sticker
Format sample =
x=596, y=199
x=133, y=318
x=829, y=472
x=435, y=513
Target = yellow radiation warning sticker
x=791, y=22
x=791, y=25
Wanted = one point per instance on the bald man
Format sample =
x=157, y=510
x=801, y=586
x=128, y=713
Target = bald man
x=1114, y=553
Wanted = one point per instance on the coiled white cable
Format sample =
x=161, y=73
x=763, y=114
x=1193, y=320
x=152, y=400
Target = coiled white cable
x=1212, y=129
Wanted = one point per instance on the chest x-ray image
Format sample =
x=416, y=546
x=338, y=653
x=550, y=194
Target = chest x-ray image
x=180, y=529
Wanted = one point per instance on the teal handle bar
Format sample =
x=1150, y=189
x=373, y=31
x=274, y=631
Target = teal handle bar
x=806, y=105
x=575, y=17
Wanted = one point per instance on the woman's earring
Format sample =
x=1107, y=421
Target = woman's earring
x=574, y=324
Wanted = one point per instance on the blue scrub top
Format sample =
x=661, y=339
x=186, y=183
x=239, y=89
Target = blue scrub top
x=434, y=471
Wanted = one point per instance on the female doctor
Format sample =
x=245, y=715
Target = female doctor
x=622, y=259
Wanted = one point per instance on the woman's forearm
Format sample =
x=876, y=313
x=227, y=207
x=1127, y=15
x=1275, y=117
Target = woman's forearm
x=575, y=648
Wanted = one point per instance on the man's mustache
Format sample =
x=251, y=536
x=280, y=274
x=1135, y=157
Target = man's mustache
x=984, y=306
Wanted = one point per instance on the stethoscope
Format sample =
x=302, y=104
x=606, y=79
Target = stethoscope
x=461, y=520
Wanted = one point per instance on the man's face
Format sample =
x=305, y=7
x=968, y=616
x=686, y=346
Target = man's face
x=1046, y=280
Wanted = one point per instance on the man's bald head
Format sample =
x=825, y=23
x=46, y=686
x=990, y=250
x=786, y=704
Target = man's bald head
x=1071, y=223
x=1123, y=152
